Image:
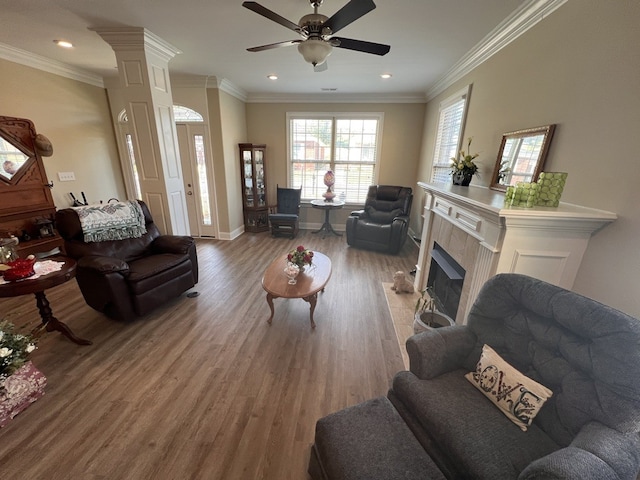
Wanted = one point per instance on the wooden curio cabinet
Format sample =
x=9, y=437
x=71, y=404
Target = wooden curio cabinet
x=254, y=187
x=26, y=206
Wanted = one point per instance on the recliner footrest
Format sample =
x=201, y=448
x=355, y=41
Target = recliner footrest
x=367, y=441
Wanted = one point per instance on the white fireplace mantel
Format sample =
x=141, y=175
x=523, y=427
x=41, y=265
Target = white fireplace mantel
x=485, y=237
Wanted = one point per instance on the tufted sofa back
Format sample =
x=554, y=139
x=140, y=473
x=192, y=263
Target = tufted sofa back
x=586, y=352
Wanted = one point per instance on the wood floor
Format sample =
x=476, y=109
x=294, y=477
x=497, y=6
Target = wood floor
x=203, y=388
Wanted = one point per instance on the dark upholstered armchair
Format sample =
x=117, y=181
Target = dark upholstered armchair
x=284, y=216
x=129, y=277
x=384, y=222
x=586, y=353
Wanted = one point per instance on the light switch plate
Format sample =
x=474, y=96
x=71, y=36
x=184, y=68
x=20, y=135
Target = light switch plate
x=66, y=176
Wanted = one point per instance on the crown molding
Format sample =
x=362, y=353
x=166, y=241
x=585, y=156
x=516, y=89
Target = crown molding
x=336, y=98
x=230, y=88
x=188, y=81
x=32, y=60
x=521, y=20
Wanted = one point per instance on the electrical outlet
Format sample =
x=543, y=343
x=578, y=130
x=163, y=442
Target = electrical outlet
x=66, y=176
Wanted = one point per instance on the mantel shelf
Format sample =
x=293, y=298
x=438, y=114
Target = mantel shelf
x=492, y=202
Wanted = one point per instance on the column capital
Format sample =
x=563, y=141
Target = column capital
x=136, y=38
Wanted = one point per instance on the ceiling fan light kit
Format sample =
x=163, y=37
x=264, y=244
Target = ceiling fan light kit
x=315, y=51
x=317, y=30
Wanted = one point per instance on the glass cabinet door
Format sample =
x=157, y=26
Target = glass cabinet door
x=248, y=178
x=259, y=157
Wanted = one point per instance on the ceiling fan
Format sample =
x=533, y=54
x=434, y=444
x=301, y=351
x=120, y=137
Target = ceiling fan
x=317, y=31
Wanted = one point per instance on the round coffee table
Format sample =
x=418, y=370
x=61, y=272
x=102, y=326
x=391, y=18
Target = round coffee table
x=37, y=286
x=309, y=282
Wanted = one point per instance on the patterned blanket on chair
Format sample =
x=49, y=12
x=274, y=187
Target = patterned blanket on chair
x=111, y=221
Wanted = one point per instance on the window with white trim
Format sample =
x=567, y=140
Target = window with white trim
x=451, y=120
x=347, y=144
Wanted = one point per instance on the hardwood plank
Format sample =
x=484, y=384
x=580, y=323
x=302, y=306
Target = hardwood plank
x=203, y=387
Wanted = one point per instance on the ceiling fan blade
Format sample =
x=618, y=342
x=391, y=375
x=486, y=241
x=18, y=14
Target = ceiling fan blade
x=273, y=16
x=349, y=13
x=288, y=43
x=361, y=46
x=321, y=68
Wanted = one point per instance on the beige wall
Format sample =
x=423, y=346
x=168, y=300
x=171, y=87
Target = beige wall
x=228, y=128
x=400, y=147
x=75, y=117
x=579, y=68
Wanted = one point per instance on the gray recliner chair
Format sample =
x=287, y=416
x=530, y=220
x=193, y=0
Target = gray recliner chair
x=587, y=353
x=384, y=222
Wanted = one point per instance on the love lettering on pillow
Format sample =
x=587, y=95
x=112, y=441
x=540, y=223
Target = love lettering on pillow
x=516, y=395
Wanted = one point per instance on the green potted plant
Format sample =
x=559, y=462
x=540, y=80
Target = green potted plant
x=464, y=168
x=426, y=315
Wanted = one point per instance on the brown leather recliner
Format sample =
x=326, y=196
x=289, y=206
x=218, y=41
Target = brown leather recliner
x=384, y=222
x=128, y=278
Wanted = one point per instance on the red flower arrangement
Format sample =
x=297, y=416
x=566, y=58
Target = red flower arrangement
x=300, y=256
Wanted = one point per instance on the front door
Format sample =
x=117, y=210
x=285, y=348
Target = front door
x=197, y=177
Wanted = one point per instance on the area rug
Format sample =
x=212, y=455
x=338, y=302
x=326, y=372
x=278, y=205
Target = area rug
x=401, y=307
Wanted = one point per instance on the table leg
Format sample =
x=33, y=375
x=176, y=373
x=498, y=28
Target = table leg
x=51, y=323
x=270, y=302
x=312, y=299
x=326, y=226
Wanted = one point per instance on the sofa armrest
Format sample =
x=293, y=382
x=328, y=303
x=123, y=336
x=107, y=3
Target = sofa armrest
x=439, y=350
x=172, y=244
x=596, y=452
x=357, y=213
x=104, y=265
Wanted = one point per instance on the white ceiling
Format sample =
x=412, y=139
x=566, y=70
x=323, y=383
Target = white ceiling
x=427, y=38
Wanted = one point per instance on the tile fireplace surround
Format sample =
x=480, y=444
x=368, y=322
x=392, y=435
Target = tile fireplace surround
x=485, y=237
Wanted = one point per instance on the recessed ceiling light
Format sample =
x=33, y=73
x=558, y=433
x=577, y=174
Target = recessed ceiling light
x=385, y=75
x=63, y=43
x=272, y=77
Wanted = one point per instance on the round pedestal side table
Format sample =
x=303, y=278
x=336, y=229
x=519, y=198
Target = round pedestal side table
x=37, y=286
x=327, y=207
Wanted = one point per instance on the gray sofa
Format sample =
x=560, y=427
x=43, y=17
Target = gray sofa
x=588, y=354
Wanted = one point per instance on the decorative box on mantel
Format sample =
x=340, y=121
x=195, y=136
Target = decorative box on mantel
x=485, y=238
x=21, y=389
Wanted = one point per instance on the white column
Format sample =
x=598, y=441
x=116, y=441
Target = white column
x=143, y=60
x=484, y=269
x=425, y=250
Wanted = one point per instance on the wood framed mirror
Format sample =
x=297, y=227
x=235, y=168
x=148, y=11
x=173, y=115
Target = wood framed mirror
x=26, y=204
x=521, y=156
x=16, y=154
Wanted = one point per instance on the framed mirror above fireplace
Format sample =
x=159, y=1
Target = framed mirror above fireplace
x=521, y=156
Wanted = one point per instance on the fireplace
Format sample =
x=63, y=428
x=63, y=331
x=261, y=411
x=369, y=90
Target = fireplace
x=472, y=225
x=445, y=280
